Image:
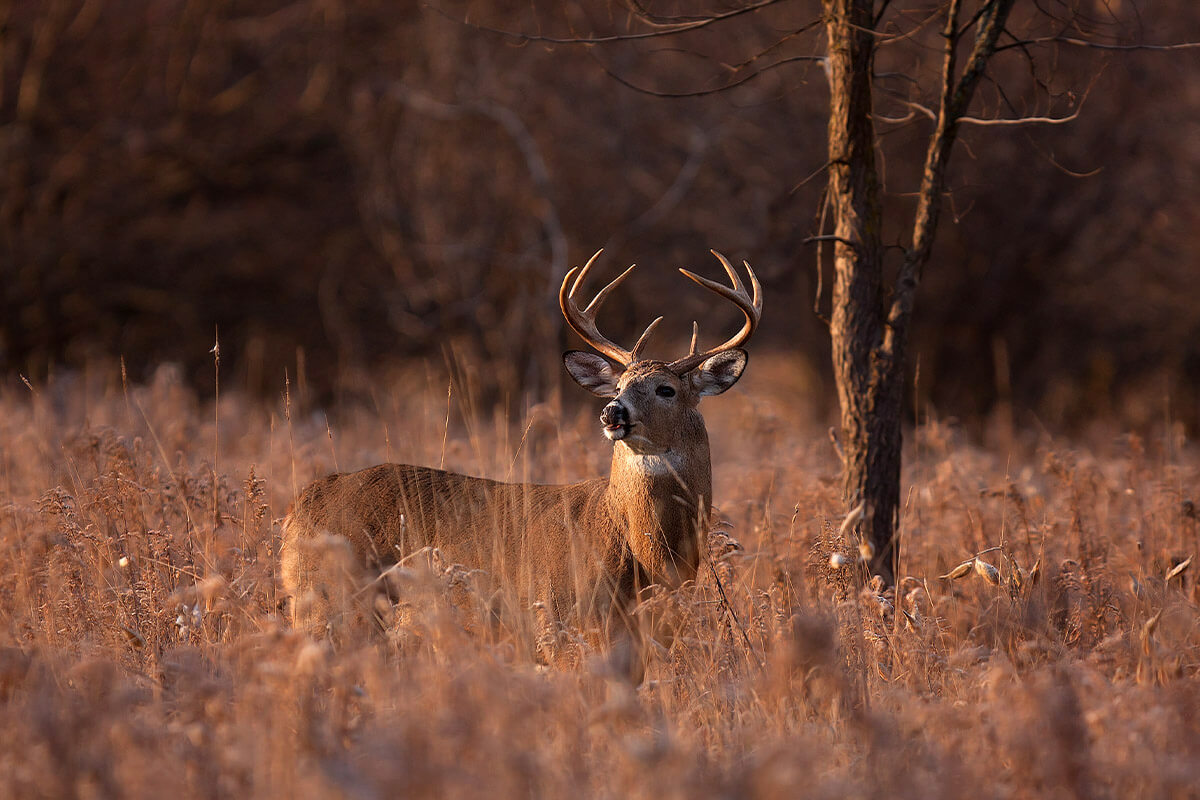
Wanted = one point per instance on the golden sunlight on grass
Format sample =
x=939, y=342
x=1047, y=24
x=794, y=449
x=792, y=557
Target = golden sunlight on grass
x=1044, y=641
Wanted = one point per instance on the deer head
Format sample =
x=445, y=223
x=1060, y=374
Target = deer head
x=653, y=403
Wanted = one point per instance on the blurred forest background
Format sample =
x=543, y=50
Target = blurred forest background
x=354, y=185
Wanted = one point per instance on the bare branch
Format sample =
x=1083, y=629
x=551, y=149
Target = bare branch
x=893, y=38
x=878, y=76
x=925, y=111
x=825, y=201
x=668, y=30
x=1099, y=45
x=803, y=181
x=954, y=102
x=1029, y=119
x=971, y=22
x=1020, y=120
x=883, y=7
x=907, y=118
x=831, y=238
x=715, y=90
x=991, y=25
x=661, y=20
x=791, y=35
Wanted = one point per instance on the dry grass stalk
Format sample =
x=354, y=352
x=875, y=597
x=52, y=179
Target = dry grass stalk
x=142, y=649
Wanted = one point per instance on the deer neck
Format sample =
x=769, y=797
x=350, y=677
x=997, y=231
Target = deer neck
x=661, y=500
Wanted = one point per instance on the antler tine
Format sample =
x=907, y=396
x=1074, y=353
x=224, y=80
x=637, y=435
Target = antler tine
x=583, y=322
x=603, y=294
x=695, y=338
x=751, y=306
x=730, y=271
x=636, y=352
x=582, y=273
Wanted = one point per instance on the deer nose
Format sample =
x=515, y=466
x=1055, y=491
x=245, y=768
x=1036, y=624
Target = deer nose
x=614, y=414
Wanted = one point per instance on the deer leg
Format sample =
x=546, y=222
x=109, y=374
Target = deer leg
x=626, y=648
x=324, y=579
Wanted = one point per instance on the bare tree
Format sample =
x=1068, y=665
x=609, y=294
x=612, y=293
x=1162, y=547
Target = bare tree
x=871, y=318
x=870, y=322
x=873, y=297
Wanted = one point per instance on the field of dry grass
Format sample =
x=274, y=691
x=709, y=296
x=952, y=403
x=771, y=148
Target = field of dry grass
x=142, y=652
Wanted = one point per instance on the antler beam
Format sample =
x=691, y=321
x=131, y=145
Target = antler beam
x=751, y=306
x=583, y=322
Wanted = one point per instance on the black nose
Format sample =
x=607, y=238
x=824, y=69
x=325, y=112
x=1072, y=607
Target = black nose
x=614, y=414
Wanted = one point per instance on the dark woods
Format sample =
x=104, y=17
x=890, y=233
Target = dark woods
x=350, y=185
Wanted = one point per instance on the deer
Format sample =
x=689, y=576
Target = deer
x=585, y=552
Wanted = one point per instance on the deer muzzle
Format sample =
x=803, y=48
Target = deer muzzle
x=615, y=419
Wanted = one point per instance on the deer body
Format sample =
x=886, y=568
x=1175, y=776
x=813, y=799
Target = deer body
x=583, y=550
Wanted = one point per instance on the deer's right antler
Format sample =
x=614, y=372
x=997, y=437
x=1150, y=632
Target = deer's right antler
x=583, y=321
x=736, y=294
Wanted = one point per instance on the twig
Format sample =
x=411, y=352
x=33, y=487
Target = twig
x=837, y=447
x=733, y=614
x=1099, y=45
x=831, y=238
x=446, y=425
x=716, y=89
x=616, y=37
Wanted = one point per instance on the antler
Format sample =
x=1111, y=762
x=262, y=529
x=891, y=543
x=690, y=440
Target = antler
x=584, y=322
x=750, y=306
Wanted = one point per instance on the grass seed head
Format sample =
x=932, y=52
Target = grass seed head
x=914, y=598
x=866, y=549
x=1178, y=569
x=960, y=571
x=988, y=572
x=1035, y=573
x=1148, y=629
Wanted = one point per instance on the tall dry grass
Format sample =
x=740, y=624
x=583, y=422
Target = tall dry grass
x=144, y=653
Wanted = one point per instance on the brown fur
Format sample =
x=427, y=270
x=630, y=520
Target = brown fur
x=584, y=550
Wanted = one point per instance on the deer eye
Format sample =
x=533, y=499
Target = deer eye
x=665, y=391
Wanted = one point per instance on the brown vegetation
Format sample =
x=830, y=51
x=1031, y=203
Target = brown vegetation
x=142, y=652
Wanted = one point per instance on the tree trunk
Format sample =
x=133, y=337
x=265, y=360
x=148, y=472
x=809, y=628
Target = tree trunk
x=869, y=381
x=870, y=322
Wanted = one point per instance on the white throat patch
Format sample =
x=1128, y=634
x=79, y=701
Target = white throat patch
x=666, y=463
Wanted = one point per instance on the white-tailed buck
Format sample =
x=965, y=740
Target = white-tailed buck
x=585, y=550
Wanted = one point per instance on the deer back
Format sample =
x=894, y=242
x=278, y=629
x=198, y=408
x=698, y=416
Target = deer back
x=539, y=542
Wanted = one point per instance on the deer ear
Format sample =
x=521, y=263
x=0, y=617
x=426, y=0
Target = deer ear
x=591, y=372
x=719, y=372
